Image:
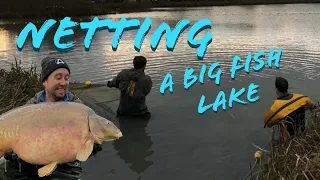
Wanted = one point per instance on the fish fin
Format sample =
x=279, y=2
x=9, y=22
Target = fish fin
x=47, y=169
x=96, y=139
x=85, y=152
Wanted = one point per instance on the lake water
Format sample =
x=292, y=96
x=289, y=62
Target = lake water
x=178, y=143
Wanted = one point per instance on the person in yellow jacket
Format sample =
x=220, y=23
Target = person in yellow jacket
x=288, y=110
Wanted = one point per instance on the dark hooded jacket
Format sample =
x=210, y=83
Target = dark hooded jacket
x=134, y=85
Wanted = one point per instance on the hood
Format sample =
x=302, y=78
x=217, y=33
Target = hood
x=131, y=74
x=134, y=74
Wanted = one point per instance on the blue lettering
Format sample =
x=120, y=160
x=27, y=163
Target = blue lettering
x=234, y=96
x=220, y=100
x=216, y=76
x=143, y=31
x=201, y=43
x=92, y=28
x=119, y=27
x=235, y=66
x=248, y=62
x=64, y=30
x=273, y=57
x=187, y=76
x=202, y=73
x=252, y=90
x=37, y=37
x=257, y=59
x=167, y=82
x=171, y=37
x=201, y=108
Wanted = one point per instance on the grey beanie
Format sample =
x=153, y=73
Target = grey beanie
x=50, y=64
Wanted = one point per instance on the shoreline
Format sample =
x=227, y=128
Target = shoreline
x=282, y=159
x=232, y=3
x=98, y=9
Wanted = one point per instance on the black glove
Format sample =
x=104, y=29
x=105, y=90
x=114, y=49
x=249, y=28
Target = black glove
x=8, y=155
x=19, y=163
x=12, y=156
x=96, y=149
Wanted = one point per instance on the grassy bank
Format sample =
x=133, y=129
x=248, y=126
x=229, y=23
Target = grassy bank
x=296, y=159
x=72, y=8
x=17, y=86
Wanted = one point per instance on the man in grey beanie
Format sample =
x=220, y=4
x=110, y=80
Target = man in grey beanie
x=55, y=75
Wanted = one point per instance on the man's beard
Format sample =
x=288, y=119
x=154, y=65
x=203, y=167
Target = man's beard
x=57, y=97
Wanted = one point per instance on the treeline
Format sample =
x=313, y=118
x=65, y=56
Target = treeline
x=61, y=8
x=194, y=3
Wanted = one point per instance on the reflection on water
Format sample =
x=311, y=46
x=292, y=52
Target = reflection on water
x=135, y=145
x=236, y=30
x=4, y=41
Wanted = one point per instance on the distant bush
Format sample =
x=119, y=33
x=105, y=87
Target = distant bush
x=18, y=85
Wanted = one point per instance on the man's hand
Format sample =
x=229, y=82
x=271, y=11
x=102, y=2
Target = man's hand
x=12, y=156
x=22, y=165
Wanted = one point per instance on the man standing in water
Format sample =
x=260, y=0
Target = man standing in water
x=134, y=85
x=288, y=110
x=133, y=114
x=55, y=79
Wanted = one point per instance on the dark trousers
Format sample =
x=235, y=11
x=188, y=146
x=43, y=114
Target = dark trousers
x=144, y=115
x=295, y=121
